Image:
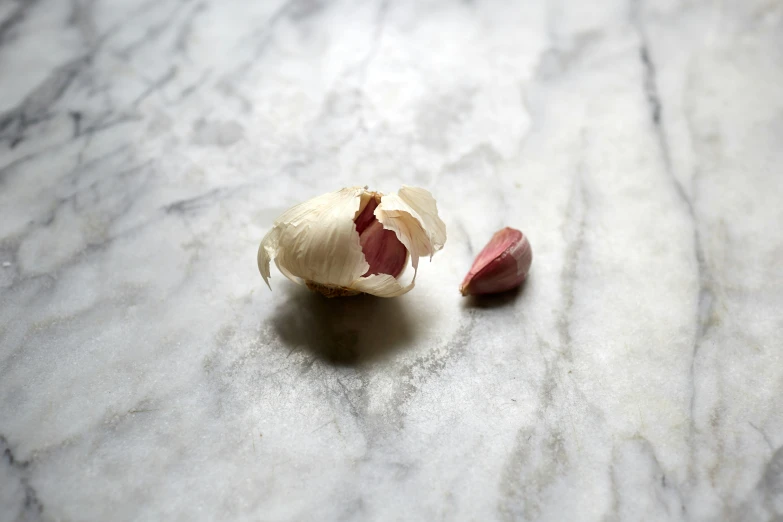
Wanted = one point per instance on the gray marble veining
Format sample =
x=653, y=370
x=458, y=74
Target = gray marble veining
x=147, y=374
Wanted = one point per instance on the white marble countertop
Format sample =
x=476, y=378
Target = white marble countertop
x=146, y=373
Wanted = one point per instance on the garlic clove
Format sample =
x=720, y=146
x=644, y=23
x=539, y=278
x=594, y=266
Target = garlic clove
x=383, y=251
x=366, y=216
x=502, y=265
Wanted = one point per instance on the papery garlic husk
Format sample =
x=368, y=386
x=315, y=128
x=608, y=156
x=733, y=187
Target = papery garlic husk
x=502, y=265
x=354, y=241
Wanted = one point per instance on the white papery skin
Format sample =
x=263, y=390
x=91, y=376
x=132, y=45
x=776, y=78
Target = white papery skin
x=317, y=242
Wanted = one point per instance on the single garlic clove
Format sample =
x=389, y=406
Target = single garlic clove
x=383, y=251
x=502, y=265
x=367, y=215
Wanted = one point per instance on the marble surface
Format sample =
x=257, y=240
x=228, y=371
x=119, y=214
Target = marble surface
x=146, y=373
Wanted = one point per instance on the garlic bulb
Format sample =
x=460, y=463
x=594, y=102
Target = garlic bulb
x=354, y=240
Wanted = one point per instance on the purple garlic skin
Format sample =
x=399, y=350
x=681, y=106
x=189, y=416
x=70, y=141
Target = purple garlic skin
x=502, y=265
x=383, y=251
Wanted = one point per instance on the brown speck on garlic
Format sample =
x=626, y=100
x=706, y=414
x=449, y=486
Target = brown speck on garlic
x=502, y=265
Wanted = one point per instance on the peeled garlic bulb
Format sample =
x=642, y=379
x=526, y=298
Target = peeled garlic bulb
x=354, y=240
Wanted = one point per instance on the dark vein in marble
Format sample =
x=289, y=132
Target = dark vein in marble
x=346, y=393
x=152, y=33
x=521, y=498
x=36, y=106
x=705, y=301
x=540, y=452
x=130, y=180
x=140, y=10
x=82, y=18
x=577, y=210
x=76, y=119
x=16, y=17
x=196, y=85
x=763, y=435
x=13, y=166
x=541, y=456
x=32, y=507
x=431, y=364
x=264, y=36
x=772, y=481
x=656, y=116
x=659, y=485
x=653, y=101
x=191, y=205
x=156, y=85
x=108, y=121
x=186, y=29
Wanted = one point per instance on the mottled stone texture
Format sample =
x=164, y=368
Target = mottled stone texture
x=147, y=373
